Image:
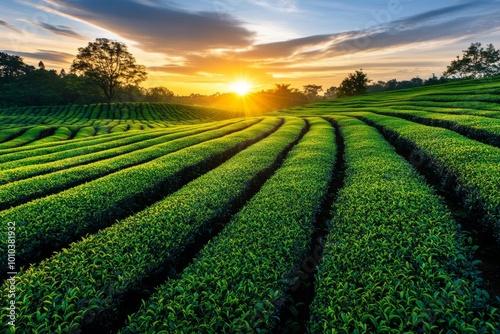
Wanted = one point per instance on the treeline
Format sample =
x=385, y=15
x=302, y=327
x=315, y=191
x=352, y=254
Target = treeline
x=476, y=62
x=25, y=85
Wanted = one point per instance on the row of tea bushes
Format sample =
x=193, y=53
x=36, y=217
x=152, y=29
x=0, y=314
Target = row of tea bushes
x=238, y=281
x=394, y=261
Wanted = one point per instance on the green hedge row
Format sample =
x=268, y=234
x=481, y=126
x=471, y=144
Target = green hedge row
x=21, y=191
x=454, y=97
x=104, y=267
x=238, y=281
x=447, y=111
x=470, y=167
x=28, y=136
x=84, y=132
x=83, y=151
x=29, y=167
x=54, y=221
x=394, y=261
x=486, y=130
x=487, y=106
x=8, y=134
x=61, y=133
x=47, y=148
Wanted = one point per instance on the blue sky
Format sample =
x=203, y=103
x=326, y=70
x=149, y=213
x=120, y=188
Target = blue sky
x=205, y=45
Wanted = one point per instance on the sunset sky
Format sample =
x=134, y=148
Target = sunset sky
x=203, y=46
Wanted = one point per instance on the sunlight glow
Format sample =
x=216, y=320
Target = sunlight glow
x=241, y=88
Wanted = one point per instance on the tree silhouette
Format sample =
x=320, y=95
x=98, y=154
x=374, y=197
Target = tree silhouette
x=355, y=84
x=331, y=93
x=109, y=65
x=311, y=91
x=12, y=67
x=476, y=62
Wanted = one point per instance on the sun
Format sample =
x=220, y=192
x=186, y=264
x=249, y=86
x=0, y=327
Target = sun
x=241, y=87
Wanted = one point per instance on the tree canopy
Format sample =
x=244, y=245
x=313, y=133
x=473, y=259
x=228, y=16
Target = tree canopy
x=109, y=65
x=312, y=91
x=12, y=67
x=476, y=62
x=355, y=84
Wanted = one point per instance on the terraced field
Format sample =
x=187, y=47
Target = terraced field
x=364, y=214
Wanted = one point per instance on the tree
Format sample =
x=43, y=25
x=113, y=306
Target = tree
x=282, y=96
x=331, y=93
x=109, y=65
x=36, y=88
x=355, y=84
x=311, y=91
x=476, y=62
x=391, y=84
x=11, y=67
x=159, y=94
x=41, y=65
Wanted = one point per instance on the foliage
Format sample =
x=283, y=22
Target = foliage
x=109, y=65
x=72, y=213
x=312, y=91
x=392, y=261
x=468, y=167
x=486, y=130
x=124, y=257
x=394, y=84
x=129, y=188
x=158, y=94
x=238, y=281
x=331, y=93
x=355, y=84
x=39, y=87
x=476, y=62
x=40, y=176
x=11, y=67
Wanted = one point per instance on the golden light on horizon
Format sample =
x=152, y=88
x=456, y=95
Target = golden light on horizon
x=241, y=87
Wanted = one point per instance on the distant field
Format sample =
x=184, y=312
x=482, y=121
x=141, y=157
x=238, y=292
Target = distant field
x=158, y=218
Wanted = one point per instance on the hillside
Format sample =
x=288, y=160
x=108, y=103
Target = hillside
x=36, y=125
x=470, y=97
x=378, y=213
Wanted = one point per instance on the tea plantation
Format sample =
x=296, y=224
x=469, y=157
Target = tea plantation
x=371, y=214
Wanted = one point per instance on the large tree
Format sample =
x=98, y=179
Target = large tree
x=12, y=67
x=355, y=84
x=109, y=65
x=476, y=62
x=312, y=91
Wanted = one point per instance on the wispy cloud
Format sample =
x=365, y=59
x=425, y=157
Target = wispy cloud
x=288, y=6
x=206, y=45
x=158, y=28
x=59, y=30
x=291, y=56
x=448, y=23
x=44, y=55
x=9, y=26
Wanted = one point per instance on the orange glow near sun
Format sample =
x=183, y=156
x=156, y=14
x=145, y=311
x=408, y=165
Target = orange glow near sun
x=241, y=87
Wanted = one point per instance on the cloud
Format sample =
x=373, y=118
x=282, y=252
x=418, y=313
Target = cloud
x=205, y=45
x=156, y=28
x=289, y=6
x=44, y=55
x=285, y=48
x=283, y=68
x=8, y=26
x=59, y=30
x=449, y=23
